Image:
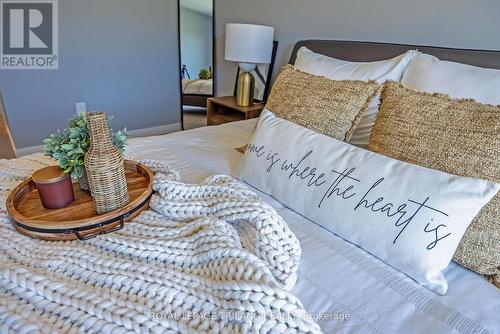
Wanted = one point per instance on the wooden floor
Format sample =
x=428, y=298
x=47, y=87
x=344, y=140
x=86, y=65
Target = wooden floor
x=194, y=118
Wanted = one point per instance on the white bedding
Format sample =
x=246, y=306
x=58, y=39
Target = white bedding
x=203, y=87
x=336, y=279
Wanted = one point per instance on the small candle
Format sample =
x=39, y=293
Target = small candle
x=54, y=187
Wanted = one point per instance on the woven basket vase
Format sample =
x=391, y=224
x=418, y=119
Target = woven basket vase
x=104, y=166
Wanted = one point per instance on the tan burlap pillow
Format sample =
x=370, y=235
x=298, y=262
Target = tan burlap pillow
x=327, y=106
x=460, y=137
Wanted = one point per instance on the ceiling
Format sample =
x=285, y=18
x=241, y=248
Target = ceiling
x=201, y=6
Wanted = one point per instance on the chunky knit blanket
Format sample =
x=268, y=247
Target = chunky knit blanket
x=207, y=258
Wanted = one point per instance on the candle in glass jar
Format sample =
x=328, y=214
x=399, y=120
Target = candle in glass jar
x=54, y=187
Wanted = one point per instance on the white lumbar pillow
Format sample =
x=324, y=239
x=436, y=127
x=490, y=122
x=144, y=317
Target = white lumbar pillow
x=336, y=69
x=408, y=216
x=427, y=73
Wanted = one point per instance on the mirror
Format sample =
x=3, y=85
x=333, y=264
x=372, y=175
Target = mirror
x=196, y=54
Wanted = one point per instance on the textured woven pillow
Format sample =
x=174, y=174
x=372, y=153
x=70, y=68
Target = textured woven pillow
x=327, y=106
x=460, y=137
x=337, y=69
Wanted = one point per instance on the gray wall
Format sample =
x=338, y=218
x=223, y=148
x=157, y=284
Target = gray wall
x=118, y=56
x=453, y=23
x=196, y=41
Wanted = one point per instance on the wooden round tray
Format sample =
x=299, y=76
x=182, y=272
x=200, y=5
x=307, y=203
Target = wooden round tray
x=78, y=220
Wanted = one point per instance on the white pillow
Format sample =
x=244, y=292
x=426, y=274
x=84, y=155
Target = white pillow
x=336, y=69
x=427, y=73
x=429, y=210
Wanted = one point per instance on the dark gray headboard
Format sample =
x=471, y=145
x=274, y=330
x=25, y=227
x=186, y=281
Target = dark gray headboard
x=368, y=51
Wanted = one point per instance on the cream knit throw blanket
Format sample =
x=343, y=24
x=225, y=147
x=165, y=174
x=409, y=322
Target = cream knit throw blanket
x=208, y=258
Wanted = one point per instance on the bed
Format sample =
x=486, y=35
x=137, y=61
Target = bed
x=346, y=289
x=196, y=92
x=349, y=290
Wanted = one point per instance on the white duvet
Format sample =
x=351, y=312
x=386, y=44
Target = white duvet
x=203, y=87
x=345, y=289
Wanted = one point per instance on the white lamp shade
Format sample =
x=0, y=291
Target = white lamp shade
x=249, y=43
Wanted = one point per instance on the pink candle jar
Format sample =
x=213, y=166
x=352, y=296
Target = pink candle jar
x=54, y=187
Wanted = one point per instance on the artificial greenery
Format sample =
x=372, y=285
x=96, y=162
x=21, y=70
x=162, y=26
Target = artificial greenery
x=205, y=74
x=68, y=146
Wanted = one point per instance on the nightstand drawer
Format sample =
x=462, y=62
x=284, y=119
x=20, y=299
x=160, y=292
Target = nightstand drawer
x=224, y=109
x=225, y=118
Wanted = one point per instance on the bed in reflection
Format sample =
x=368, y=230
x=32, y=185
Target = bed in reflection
x=196, y=91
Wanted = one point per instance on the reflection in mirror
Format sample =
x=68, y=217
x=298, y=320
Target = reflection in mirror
x=196, y=39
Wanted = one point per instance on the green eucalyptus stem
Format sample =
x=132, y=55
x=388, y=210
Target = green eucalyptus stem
x=68, y=146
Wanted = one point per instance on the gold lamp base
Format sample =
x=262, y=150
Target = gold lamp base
x=246, y=86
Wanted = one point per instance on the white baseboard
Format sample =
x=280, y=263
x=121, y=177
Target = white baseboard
x=153, y=131
x=28, y=150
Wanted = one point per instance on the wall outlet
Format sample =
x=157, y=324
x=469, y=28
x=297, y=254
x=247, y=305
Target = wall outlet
x=80, y=107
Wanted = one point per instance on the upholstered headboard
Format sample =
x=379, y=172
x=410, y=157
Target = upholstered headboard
x=368, y=51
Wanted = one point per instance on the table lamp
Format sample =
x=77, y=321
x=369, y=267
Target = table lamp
x=249, y=45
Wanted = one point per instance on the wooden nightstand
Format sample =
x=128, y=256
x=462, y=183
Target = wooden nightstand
x=224, y=109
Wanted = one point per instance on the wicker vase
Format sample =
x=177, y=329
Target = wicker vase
x=104, y=167
x=84, y=182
